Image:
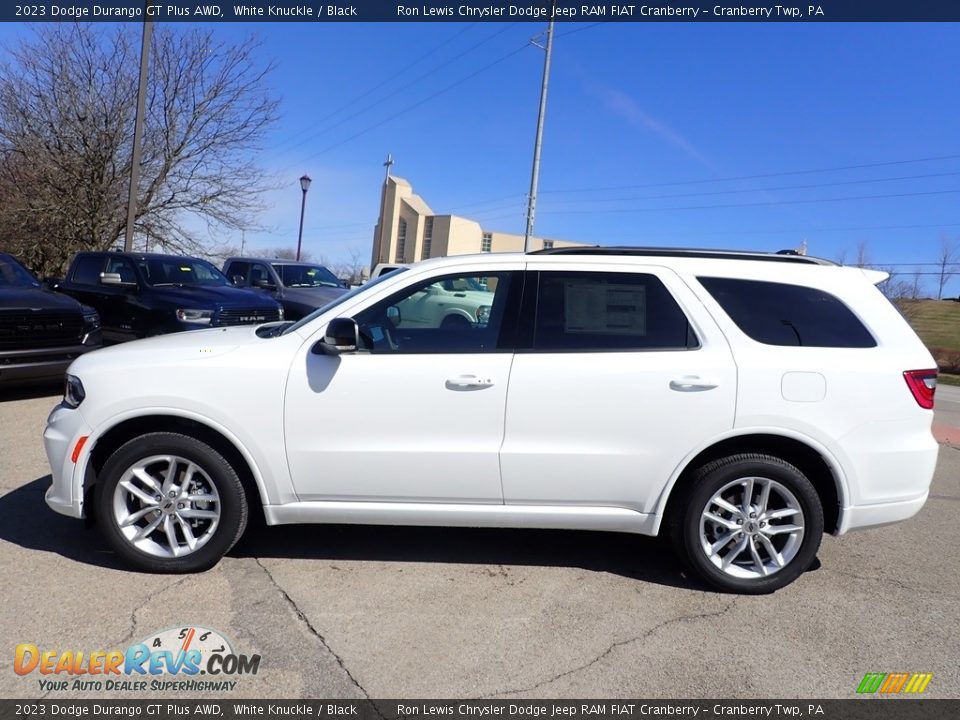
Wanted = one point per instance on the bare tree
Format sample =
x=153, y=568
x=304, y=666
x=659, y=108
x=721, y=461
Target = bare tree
x=863, y=254
x=352, y=269
x=948, y=263
x=67, y=108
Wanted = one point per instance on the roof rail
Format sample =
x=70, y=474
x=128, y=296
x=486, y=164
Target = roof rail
x=788, y=256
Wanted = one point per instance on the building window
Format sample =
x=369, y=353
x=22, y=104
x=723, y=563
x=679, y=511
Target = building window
x=486, y=243
x=401, y=242
x=427, y=237
x=548, y=244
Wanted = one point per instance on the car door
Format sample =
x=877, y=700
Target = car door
x=618, y=376
x=417, y=415
x=122, y=316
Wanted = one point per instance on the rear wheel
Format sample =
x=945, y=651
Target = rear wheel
x=752, y=524
x=170, y=503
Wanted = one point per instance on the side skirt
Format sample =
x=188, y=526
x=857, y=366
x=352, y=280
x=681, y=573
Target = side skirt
x=546, y=517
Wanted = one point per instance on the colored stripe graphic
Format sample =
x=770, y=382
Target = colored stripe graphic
x=918, y=682
x=893, y=683
x=871, y=682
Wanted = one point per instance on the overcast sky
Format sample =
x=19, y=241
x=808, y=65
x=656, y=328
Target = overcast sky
x=734, y=135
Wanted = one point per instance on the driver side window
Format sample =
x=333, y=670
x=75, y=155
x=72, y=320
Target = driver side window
x=461, y=313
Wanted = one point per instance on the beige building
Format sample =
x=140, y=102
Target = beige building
x=409, y=231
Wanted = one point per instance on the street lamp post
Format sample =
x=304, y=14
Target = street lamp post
x=304, y=185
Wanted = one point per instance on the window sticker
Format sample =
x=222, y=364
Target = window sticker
x=597, y=307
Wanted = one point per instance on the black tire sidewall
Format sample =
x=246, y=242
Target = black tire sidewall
x=233, y=507
x=713, y=477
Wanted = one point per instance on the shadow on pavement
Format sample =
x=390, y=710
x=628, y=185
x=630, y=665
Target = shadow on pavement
x=25, y=520
x=633, y=556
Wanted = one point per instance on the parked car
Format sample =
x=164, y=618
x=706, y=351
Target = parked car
x=381, y=269
x=144, y=294
x=300, y=287
x=41, y=332
x=739, y=403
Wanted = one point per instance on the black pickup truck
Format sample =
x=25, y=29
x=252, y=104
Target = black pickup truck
x=41, y=332
x=144, y=294
x=300, y=287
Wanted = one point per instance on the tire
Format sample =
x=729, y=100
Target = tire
x=455, y=322
x=769, y=552
x=206, y=515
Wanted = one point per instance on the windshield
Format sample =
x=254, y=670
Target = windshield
x=13, y=274
x=340, y=300
x=181, y=271
x=306, y=276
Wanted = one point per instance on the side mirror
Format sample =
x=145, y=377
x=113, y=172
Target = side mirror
x=342, y=336
x=264, y=284
x=393, y=315
x=114, y=280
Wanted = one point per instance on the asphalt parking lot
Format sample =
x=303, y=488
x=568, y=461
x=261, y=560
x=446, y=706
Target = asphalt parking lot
x=349, y=612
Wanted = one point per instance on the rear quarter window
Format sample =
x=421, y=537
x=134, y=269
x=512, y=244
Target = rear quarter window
x=781, y=314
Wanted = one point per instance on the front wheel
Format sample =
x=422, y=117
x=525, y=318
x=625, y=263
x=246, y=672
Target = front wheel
x=170, y=503
x=752, y=524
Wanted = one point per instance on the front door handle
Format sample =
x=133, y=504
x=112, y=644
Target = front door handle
x=468, y=382
x=692, y=383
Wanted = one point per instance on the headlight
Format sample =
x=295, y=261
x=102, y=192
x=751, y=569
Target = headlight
x=196, y=317
x=73, y=392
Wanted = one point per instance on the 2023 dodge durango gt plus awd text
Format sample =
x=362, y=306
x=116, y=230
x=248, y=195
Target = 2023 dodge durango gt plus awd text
x=740, y=403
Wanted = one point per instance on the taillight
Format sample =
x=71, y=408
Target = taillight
x=922, y=383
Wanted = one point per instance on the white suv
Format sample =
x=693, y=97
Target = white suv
x=741, y=403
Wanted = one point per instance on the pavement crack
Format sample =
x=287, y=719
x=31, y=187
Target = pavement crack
x=133, y=615
x=313, y=630
x=889, y=581
x=619, y=644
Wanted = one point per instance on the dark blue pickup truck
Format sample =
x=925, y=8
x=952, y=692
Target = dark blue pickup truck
x=41, y=332
x=144, y=294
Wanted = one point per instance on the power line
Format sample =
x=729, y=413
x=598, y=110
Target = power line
x=417, y=104
x=775, y=188
x=398, y=90
x=757, y=177
x=756, y=204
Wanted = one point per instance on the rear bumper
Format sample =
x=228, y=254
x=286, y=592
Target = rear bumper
x=864, y=516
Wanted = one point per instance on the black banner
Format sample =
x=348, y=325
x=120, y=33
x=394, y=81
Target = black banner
x=480, y=10
x=874, y=708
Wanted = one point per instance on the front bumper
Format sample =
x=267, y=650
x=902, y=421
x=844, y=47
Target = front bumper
x=65, y=427
x=23, y=366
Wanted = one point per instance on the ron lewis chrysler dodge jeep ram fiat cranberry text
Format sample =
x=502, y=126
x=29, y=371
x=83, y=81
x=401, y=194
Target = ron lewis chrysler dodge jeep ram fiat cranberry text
x=741, y=403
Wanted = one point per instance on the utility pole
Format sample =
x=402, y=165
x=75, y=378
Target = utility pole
x=535, y=174
x=138, y=127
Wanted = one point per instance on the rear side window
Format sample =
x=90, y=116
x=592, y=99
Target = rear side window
x=599, y=311
x=781, y=314
x=87, y=271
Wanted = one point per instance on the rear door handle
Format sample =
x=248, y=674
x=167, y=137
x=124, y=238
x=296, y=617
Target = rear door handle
x=468, y=382
x=692, y=383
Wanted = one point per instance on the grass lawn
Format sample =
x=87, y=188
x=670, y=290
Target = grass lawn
x=937, y=322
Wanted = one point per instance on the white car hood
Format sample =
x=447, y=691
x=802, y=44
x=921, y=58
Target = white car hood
x=187, y=347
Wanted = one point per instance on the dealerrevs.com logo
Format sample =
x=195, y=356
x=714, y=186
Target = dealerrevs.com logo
x=171, y=659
